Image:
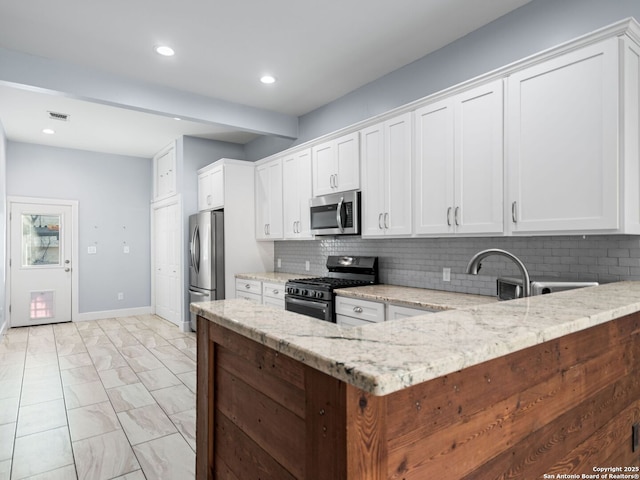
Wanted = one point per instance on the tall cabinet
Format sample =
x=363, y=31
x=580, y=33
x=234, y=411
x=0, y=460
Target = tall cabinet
x=459, y=163
x=296, y=192
x=386, y=177
x=562, y=122
x=268, y=180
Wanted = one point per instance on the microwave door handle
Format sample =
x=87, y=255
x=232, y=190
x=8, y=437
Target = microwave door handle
x=339, y=214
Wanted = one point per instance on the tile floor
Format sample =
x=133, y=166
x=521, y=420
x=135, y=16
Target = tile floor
x=97, y=400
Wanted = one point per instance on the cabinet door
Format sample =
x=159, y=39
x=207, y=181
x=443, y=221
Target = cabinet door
x=167, y=261
x=433, y=169
x=296, y=188
x=562, y=142
x=269, y=201
x=211, y=189
x=347, y=158
x=386, y=178
x=164, y=165
x=398, y=157
x=373, y=181
x=323, y=168
x=478, y=134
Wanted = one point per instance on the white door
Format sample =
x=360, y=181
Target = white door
x=40, y=263
x=167, y=262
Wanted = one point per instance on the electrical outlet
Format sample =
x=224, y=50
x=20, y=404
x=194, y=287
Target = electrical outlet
x=446, y=274
x=125, y=249
x=120, y=296
x=306, y=265
x=92, y=250
x=279, y=263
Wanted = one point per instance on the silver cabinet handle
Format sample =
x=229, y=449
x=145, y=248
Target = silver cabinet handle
x=449, y=216
x=514, y=211
x=208, y=199
x=357, y=309
x=335, y=183
x=265, y=228
x=247, y=286
x=276, y=292
x=331, y=181
x=455, y=216
x=380, y=221
x=386, y=220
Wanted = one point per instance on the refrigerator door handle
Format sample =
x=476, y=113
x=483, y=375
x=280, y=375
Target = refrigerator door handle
x=195, y=250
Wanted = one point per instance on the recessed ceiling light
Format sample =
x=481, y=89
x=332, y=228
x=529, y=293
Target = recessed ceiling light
x=177, y=118
x=164, y=50
x=48, y=131
x=267, y=79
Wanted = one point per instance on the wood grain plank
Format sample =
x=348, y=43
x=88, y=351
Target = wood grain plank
x=366, y=435
x=326, y=440
x=274, y=428
x=269, y=381
x=205, y=402
x=249, y=461
x=264, y=358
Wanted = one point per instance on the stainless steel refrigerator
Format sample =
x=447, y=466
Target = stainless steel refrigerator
x=206, y=258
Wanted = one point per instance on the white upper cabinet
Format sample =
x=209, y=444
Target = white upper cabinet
x=336, y=165
x=164, y=172
x=269, y=200
x=211, y=188
x=386, y=177
x=296, y=185
x=562, y=124
x=459, y=160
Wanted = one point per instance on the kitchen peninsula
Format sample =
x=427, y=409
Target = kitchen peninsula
x=518, y=389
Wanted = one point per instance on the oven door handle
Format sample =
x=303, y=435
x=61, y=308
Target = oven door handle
x=306, y=303
x=339, y=214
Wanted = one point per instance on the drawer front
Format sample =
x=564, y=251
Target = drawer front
x=396, y=312
x=362, y=309
x=275, y=302
x=273, y=290
x=249, y=286
x=249, y=296
x=345, y=321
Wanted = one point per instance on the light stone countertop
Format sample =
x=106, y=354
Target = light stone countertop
x=415, y=297
x=386, y=357
x=274, y=277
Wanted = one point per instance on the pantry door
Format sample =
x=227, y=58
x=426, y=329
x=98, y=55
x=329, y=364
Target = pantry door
x=40, y=263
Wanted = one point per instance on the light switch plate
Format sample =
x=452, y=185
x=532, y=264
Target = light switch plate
x=446, y=274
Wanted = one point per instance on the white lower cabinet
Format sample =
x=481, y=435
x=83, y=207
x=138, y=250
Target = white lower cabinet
x=273, y=294
x=354, y=312
x=267, y=293
x=249, y=290
x=397, y=312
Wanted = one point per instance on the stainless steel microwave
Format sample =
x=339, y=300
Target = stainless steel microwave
x=335, y=214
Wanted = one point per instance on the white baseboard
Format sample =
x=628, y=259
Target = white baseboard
x=125, y=312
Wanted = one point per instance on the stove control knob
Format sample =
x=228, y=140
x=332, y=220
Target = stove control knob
x=319, y=295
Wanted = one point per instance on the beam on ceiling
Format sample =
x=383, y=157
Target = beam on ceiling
x=61, y=78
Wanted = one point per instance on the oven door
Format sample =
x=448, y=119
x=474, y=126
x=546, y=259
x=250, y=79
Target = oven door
x=319, y=309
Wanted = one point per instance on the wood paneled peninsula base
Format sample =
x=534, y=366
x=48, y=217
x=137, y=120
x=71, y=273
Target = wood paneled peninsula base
x=526, y=389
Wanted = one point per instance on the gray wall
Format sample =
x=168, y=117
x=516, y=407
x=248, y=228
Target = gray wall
x=3, y=225
x=113, y=193
x=534, y=27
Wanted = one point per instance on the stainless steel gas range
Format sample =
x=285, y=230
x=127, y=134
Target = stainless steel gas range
x=315, y=296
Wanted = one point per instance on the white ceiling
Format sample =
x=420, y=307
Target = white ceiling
x=318, y=51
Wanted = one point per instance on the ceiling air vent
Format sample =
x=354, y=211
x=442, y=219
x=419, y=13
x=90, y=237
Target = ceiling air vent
x=63, y=117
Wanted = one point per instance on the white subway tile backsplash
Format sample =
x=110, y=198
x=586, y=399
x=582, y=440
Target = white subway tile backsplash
x=418, y=262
